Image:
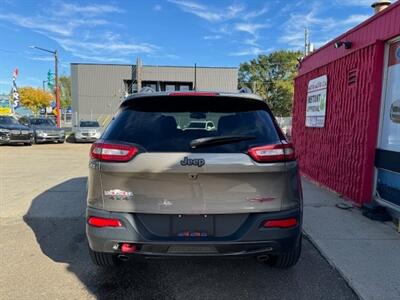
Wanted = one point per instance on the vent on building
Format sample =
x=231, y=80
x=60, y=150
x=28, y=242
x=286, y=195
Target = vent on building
x=352, y=77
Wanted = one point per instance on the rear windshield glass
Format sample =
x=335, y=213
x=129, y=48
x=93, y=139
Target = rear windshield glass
x=89, y=124
x=46, y=122
x=169, y=124
x=8, y=121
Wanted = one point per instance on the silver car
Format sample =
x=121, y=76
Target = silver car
x=156, y=189
x=87, y=131
x=45, y=130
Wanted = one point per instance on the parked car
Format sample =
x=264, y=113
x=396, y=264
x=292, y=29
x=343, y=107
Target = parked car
x=45, y=130
x=200, y=125
x=87, y=131
x=157, y=190
x=12, y=132
x=395, y=111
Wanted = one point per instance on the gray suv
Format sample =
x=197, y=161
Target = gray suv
x=158, y=188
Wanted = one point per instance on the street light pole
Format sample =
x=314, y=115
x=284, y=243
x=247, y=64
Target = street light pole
x=57, y=90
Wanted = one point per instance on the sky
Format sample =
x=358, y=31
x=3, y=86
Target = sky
x=170, y=32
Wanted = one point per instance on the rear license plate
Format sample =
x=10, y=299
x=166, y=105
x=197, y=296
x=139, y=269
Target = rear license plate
x=192, y=225
x=192, y=249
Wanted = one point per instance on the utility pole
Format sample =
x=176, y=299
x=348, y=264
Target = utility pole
x=44, y=88
x=195, y=76
x=57, y=90
x=305, y=41
x=139, y=74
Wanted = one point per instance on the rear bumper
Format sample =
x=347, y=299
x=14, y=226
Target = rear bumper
x=41, y=139
x=85, y=139
x=250, y=238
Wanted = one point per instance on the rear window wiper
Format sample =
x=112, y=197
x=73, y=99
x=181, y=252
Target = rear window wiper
x=219, y=140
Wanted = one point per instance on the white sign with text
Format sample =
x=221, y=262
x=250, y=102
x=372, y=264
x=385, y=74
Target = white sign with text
x=316, y=102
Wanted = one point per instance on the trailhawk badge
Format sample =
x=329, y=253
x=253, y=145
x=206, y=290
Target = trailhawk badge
x=118, y=195
x=193, y=162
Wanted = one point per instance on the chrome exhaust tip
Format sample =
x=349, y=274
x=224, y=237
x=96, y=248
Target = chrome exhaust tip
x=262, y=258
x=123, y=257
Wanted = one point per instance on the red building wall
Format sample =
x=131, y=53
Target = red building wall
x=341, y=154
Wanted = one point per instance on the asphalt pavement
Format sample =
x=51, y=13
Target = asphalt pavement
x=44, y=251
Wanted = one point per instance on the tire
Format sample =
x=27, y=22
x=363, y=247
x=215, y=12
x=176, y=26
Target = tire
x=71, y=138
x=286, y=260
x=61, y=141
x=104, y=259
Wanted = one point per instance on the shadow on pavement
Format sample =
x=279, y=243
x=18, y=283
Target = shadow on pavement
x=57, y=218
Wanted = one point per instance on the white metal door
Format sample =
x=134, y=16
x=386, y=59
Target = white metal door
x=388, y=152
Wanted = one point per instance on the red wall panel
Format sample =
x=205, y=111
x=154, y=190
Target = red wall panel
x=341, y=154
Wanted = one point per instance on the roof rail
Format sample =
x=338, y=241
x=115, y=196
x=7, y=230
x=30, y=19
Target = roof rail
x=245, y=90
x=147, y=89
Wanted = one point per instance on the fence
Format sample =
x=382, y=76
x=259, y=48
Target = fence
x=285, y=123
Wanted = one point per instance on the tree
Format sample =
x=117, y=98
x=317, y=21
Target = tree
x=65, y=85
x=271, y=76
x=34, y=98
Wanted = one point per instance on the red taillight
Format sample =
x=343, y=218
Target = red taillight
x=112, y=152
x=104, y=222
x=283, y=223
x=204, y=94
x=272, y=153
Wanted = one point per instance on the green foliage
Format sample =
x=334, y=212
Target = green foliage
x=34, y=98
x=65, y=85
x=271, y=76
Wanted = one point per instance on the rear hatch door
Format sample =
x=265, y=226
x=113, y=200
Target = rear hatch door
x=170, y=176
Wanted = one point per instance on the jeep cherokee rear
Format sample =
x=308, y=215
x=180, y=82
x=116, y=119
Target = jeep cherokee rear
x=157, y=188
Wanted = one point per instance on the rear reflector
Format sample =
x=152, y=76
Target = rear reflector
x=128, y=248
x=283, y=223
x=104, y=222
x=272, y=153
x=112, y=152
x=193, y=94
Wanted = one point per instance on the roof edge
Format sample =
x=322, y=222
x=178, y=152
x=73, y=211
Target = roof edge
x=156, y=66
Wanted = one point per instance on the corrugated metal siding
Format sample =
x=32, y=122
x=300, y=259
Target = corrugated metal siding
x=210, y=79
x=214, y=79
x=74, y=87
x=383, y=26
x=100, y=88
x=155, y=73
x=341, y=155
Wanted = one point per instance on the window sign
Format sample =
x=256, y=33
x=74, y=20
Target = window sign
x=316, y=102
